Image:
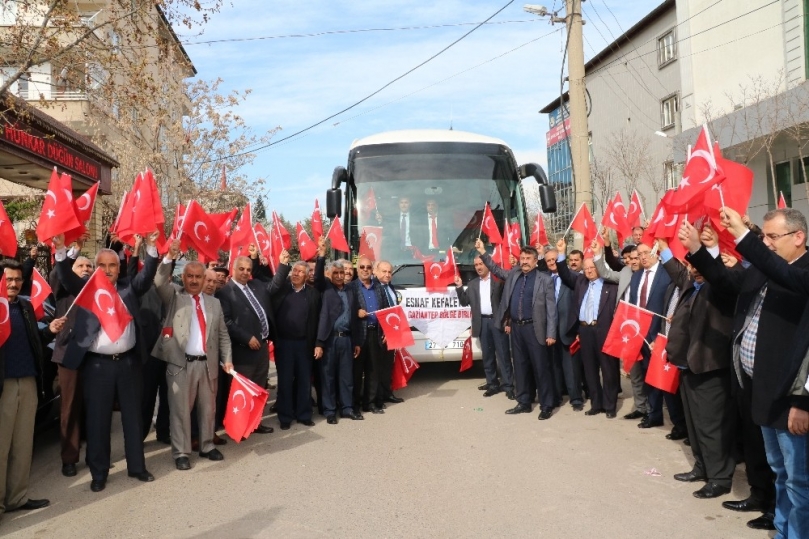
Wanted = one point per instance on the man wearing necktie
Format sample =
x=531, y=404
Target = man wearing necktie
x=193, y=342
x=250, y=321
x=384, y=393
x=593, y=311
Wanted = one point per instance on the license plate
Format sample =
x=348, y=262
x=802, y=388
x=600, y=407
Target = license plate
x=454, y=345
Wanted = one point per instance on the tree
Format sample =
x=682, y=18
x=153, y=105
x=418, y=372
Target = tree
x=260, y=211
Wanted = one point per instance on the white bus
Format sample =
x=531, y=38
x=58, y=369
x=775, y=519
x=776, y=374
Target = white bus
x=453, y=171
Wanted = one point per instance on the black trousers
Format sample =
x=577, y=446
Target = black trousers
x=366, y=371
x=103, y=379
x=601, y=371
x=384, y=375
x=154, y=385
x=222, y=395
x=532, y=365
x=760, y=476
x=710, y=417
x=293, y=361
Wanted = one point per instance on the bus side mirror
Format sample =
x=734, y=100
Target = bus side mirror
x=334, y=199
x=338, y=177
x=547, y=197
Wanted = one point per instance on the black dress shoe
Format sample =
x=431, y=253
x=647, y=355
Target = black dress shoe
x=687, y=442
x=634, y=415
x=764, y=522
x=355, y=415
x=746, y=505
x=30, y=505
x=274, y=408
x=711, y=490
x=491, y=391
x=690, y=477
x=69, y=470
x=182, y=463
x=578, y=407
x=97, y=485
x=610, y=415
x=284, y=426
x=520, y=409
x=394, y=399
x=484, y=387
x=375, y=409
x=308, y=423
x=264, y=430
x=677, y=433
x=544, y=414
x=647, y=424
x=594, y=411
x=217, y=440
x=331, y=419
x=144, y=476
x=213, y=454
x=510, y=395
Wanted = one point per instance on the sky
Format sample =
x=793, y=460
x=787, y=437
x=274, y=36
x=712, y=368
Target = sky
x=492, y=82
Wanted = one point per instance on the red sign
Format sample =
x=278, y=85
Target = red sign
x=557, y=133
x=55, y=152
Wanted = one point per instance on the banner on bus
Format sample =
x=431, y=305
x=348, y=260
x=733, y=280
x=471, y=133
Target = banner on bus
x=438, y=316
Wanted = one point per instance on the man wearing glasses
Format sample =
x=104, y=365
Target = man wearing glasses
x=370, y=298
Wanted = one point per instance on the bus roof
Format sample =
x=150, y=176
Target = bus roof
x=425, y=135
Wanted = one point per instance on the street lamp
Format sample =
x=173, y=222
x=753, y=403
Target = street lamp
x=535, y=9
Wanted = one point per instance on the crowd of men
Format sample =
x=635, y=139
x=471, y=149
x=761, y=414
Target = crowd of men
x=738, y=331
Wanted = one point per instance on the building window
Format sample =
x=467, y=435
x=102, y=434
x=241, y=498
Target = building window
x=670, y=175
x=800, y=176
x=666, y=49
x=783, y=184
x=668, y=110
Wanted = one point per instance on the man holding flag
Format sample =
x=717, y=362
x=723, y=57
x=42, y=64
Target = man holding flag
x=103, y=347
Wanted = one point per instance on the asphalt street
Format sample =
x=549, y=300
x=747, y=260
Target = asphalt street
x=445, y=463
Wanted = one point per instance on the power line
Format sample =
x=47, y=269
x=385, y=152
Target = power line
x=369, y=96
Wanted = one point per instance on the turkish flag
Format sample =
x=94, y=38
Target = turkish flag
x=157, y=205
x=583, y=222
x=85, y=204
x=575, y=346
x=8, y=236
x=395, y=327
x=727, y=243
x=662, y=374
x=539, y=235
x=337, y=236
x=782, y=203
x=489, y=226
x=5, y=321
x=243, y=234
x=224, y=222
x=735, y=191
x=513, y=239
x=500, y=257
x=263, y=243
x=369, y=203
x=439, y=275
x=111, y=312
x=466, y=357
x=58, y=215
x=615, y=218
x=283, y=235
x=117, y=222
x=245, y=407
x=306, y=246
x=200, y=231
x=403, y=368
x=40, y=290
x=700, y=174
x=633, y=214
x=629, y=326
x=317, y=223
x=371, y=242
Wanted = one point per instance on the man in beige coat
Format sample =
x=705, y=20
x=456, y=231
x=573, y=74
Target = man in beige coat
x=193, y=342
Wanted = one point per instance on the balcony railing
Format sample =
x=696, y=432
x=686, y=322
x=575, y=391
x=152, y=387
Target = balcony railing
x=61, y=95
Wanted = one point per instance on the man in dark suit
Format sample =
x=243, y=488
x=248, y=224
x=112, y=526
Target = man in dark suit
x=483, y=294
x=384, y=274
x=699, y=345
x=594, y=307
x=297, y=310
x=109, y=369
x=337, y=344
x=649, y=289
x=250, y=321
x=567, y=367
x=769, y=343
x=528, y=308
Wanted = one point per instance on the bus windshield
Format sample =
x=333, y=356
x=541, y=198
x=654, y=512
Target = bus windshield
x=420, y=200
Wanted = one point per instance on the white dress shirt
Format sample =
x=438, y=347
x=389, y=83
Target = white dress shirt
x=194, y=346
x=430, y=232
x=651, y=277
x=486, y=295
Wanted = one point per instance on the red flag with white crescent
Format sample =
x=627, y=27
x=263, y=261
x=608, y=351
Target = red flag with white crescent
x=660, y=373
x=242, y=234
x=489, y=226
x=8, y=236
x=403, y=368
x=701, y=172
x=280, y=233
x=40, y=290
x=237, y=414
x=200, y=231
x=629, y=327
x=100, y=297
x=501, y=257
x=539, y=235
x=5, y=321
x=306, y=246
x=440, y=275
x=224, y=222
x=371, y=242
x=635, y=210
x=317, y=223
x=584, y=223
x=467, y=359
x=616, y=219
x=58, y=214
x=265, y=244
x=85, y=204
x=337, y=236
x=395, y=327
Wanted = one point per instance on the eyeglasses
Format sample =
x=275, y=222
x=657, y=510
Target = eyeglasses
x=773, y=237
x=365, y=267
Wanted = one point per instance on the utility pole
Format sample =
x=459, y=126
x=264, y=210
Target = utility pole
x=579, y=136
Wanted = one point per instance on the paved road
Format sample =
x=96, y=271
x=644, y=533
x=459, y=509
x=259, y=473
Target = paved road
x=446, y=463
